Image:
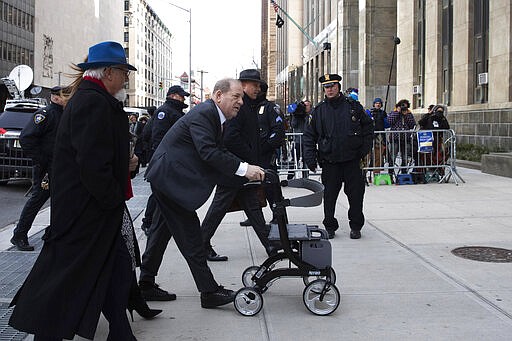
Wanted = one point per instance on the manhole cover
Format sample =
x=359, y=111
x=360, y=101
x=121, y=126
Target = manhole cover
x=484, y=254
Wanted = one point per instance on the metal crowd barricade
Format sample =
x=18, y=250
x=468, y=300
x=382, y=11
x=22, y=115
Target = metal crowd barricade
x=393, y=152
x=14, y=165
x=398, y=152
x=290, y=158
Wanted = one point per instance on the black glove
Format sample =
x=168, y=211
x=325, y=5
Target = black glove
x=312, y=167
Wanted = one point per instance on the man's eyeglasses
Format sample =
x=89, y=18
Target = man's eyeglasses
x=327, y=86
x=126, y=72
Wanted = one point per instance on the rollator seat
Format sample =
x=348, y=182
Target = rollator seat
x=299, y=232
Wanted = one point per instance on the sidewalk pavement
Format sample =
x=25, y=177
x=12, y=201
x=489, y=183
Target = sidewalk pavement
x=400, y=281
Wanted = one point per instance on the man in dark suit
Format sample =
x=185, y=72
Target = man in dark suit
x=153, y=224
x=183, y=171
x=242, y=138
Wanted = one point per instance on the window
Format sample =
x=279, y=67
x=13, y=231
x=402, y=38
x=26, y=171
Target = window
x=126, y=21
x=481, y=47
x=126, y=37
x=447, y=54
x=418, y=101
x=127, y=5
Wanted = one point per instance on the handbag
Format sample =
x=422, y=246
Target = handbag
x=260, y=193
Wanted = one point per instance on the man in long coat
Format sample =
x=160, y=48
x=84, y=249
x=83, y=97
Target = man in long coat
x=86, y=264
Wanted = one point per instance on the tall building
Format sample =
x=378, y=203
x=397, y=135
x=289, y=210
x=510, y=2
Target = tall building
x=453, y=52
x=50, y=35
x=17, y=36
x=64, y=31
x=148, y=46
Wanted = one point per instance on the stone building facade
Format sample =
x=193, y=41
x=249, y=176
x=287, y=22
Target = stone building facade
x=64, y=31
x=453, y=52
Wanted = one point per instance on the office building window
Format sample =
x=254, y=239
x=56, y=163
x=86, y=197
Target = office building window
x=126, y=37
x=480, y=49
x=418, y=101
x=447, y=53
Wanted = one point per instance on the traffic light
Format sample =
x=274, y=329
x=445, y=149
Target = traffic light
x=160, y=85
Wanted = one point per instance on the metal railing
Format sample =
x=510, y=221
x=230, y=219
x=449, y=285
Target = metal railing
x=393, y=152
x=14, y=164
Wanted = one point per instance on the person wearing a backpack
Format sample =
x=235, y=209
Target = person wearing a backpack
x=338, y=136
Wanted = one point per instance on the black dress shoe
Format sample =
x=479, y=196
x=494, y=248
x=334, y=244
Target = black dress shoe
x=22, y=244
x=331, y=234
x=151, y=292
x=217, y=298
x=212, y=256
x=354, y=234
x=246, y=222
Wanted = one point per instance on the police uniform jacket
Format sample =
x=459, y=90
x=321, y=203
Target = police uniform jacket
x=342, y=130
x=68, y=283
x=38, y=137
x=271, y=130
x=164, y=118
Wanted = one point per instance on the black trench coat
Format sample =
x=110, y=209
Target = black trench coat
x=64, y=292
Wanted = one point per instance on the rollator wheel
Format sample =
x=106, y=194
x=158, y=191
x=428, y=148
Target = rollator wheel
x=308, y=279
x=248, y=274
x=248, y=301
x=316, y=304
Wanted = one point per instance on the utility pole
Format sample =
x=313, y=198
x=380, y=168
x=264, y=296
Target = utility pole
x=202, y=88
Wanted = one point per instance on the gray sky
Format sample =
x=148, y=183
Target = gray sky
x=226, y=36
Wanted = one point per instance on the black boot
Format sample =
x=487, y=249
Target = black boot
x=136, y=302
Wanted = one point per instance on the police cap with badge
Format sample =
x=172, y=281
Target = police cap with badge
x=329, y=79
x=40, y=115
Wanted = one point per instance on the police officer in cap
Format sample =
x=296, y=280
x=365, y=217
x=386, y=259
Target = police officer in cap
x=272, y=134
x=168, y=114
x=37, y=140
x=339, y=135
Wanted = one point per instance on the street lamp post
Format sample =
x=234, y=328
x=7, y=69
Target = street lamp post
x=202, y=87
x=189, y=50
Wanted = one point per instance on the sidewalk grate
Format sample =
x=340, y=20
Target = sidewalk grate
x=14, y=268
x=7, y=332
x=484, y=254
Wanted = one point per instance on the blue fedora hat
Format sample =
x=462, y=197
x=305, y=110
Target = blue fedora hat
x=106, y=53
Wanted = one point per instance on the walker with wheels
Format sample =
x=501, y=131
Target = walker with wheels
x=306, y=253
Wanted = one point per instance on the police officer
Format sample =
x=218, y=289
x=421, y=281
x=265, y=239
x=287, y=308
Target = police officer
x=37, y=140
x=153, y=223
x=272, y=133
x=168, y=113
x=343, y=132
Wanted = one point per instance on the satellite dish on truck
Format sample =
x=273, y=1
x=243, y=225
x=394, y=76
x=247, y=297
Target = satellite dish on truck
x=22, y=75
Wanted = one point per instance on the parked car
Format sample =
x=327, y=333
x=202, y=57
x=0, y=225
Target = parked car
x=13, y=163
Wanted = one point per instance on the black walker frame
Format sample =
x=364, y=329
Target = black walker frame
x=320, y=296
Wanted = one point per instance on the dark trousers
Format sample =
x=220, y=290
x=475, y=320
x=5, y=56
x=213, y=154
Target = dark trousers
x=222, y=200
x=147, y=221
x=185, y=228
x=348, y=174
x=38, y=197
x=158, y=239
